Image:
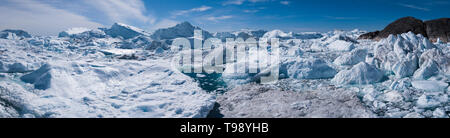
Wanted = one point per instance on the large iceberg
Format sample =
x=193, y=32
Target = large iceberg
x=361, y=73
x=182, y=30
x=41, y=78
x=125, y=31
x=336, y=42
x=81, y=32
x=14, y=34
x=354, y=57
x=406, y=66
x=311, y=68
x=277, y=34
x=396, y=48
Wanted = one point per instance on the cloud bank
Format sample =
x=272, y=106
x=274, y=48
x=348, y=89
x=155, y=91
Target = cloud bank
x=38, y=18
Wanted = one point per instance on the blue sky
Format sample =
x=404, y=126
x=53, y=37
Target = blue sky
x=48, y=17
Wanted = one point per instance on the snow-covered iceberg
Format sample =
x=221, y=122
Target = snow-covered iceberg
x=354, y=57
x=311, y=68
x=361, y=73
x=182, y=30
x=336, y=42
x=277, y=34
x=81, y=32
x=14, y=34
x=125, y=31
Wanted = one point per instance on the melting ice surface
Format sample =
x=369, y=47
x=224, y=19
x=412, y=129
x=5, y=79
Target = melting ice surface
x=124, y=71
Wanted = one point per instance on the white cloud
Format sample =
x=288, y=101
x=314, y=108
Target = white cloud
x=233, y=2
x=198, y=9
x=413, y=7
x=285, y=2
x=251, y=11
x=341, y=18
x=39, y=18
x=255, y=1
x=213, y=18
x=122, y=10
x=240, y=2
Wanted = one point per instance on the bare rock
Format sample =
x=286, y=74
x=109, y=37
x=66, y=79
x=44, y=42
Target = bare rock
x=439, y=28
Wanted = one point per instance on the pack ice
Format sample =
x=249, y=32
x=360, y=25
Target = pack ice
x=401, y=76
x=124, y=71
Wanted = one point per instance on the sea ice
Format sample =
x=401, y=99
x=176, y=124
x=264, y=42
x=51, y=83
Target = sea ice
x=429, y=85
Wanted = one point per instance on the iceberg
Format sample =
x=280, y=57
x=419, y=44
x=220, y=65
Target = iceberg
x=277, y=34
x=406, y=67
x=336, y=42
x=311, y=68
x=340, y=45
x=14, y=34
x=361, y=73
x=41, y=78
x=81, y=33
x=428, y=69
x=428, y=85
x=354, y=57
x=398, y=53
x=125, y=31
x=73, y=31
x=182, y=30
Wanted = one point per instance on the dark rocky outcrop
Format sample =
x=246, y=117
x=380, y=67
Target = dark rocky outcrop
x=439, y=28
x=404, y=25
x=369, y=35
x=433, y=29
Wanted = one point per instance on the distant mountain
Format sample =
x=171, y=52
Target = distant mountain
x=125, y=31
x=184, y=29
x=439, y=28
x=433, y=29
